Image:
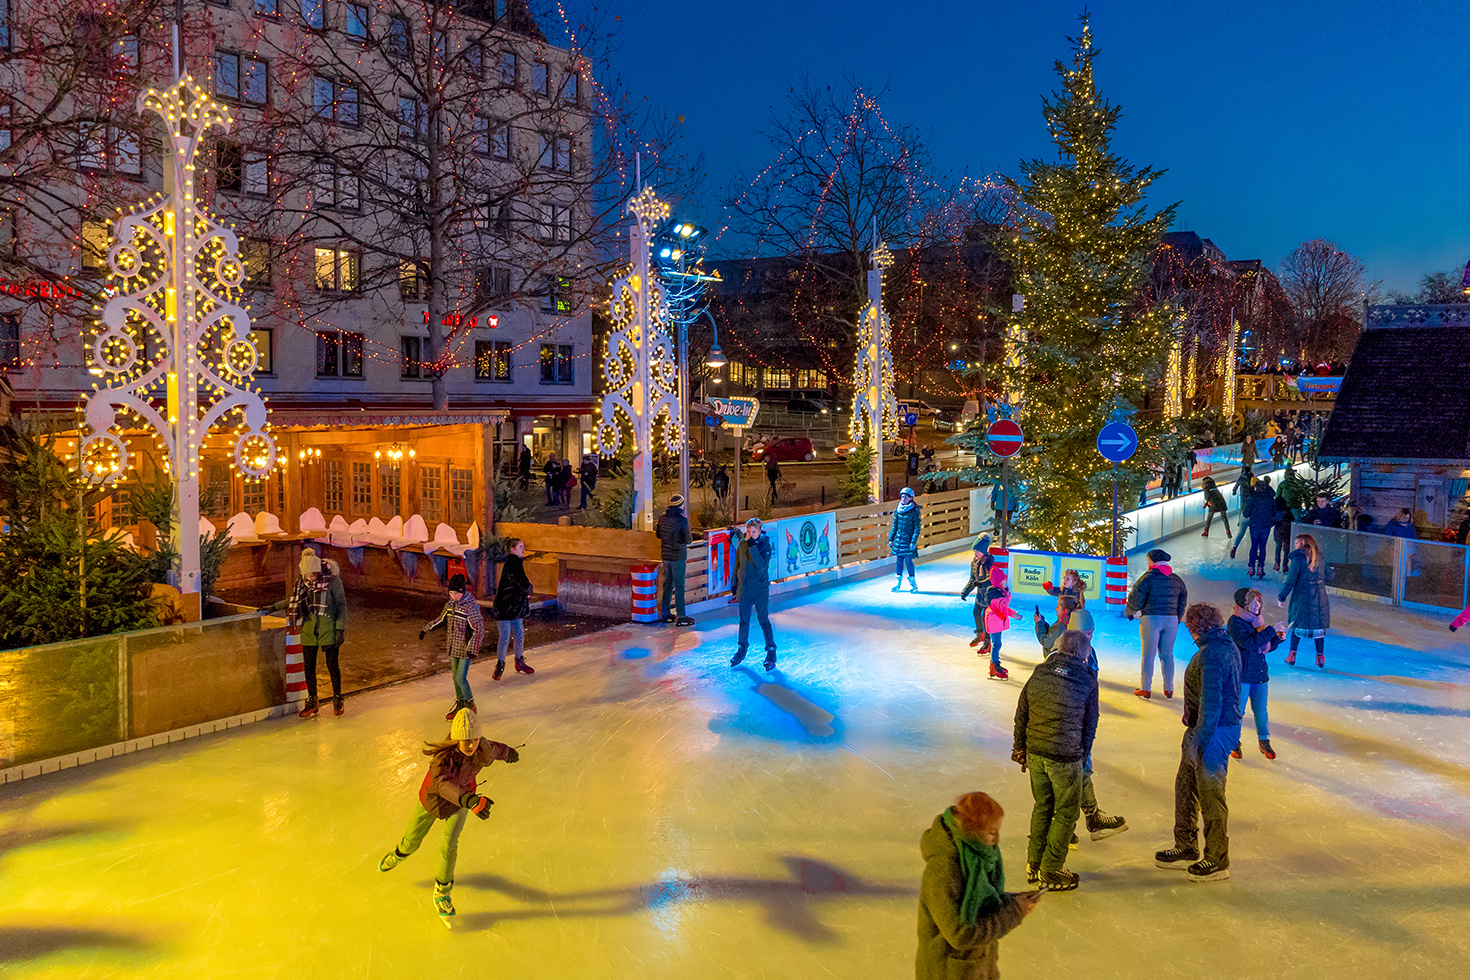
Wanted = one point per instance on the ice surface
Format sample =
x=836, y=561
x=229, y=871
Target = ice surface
x=672, y=817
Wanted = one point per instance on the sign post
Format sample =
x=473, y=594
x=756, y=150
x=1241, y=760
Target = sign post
x=736, y=414
x=1116, y=441
x=1004, y=438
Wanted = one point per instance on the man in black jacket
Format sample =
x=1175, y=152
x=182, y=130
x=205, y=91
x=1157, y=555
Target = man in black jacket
x=589, y=478
x=674, y=538
x=1324, y=514
x=1056, y=720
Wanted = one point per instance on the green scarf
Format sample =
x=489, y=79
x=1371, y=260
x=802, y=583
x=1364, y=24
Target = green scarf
x=985, y=877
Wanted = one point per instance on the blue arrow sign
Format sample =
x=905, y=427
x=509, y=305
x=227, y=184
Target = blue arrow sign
x=911, y=419
x=1117, y=441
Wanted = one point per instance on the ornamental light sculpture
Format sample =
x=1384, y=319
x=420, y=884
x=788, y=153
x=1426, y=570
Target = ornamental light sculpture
x=641, y=367
x=173, y=342
x=874, y=406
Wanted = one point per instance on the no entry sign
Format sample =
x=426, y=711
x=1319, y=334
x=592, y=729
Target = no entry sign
x=1004, y=438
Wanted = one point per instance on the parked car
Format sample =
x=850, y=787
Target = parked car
x=891, y=447
x=807, y=406
x=922, y=409
x=790, y=449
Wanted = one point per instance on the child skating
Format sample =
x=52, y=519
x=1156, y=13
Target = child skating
x=448, y=793
x=998, y=616
x=466, y=629
x=981, y=562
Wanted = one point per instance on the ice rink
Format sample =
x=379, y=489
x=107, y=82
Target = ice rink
x=672, y=817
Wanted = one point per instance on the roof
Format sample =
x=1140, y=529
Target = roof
x=1404, y=398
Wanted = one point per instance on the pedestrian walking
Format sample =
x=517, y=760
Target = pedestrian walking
x=903, y=538
x=1159, y=599
x=964, y=909
x=1212, y=729
x=752, y=581
x=449, y=792
x=589, y=479
x=1281, y=527
x=1099, y=824
x=523, y=467
x=511, y=607
x=464, y=630
x=1214, y=504
x=566, y=480
x=998, y=616
x=1056, y=721
x=550, y=471
x=673, y=540
x=1254, y=638
x=317, y=612
x=1310, y=613
x=773, y=473
x=1260, y=511
x=720, y=483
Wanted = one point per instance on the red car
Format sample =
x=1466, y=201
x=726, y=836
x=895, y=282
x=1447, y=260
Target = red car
x=789, y=450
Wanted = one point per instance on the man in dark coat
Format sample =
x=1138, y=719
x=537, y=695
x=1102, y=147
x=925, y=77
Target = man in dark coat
x=1260, y=512
x=523, y=467
x=589, y=478
x=1158, y=598
x=773, y=473
x=752, y=581
x=673, y=539
x=1212, y=730
x=1325, y=514
x=1056, y=721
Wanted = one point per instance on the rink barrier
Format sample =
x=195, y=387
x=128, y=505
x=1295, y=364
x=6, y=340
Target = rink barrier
x=1115, y=587
x=1002, y=558
x=645, y=593
x=295, y=669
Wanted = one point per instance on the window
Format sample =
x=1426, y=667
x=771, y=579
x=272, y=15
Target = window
x=777, y=378
x=558, y=295
x=411, y=365
x=95, y=235
x=431, y=494
x=228, y=161
x=107, y=147
x=474, y=60
x=266, y=8
x=337, y=269
x=461, y=496
x=252, y=496
x=5, y=25
x=216, y=496
x=312, y=14
x=555, y=224
x=334, y=101
x=362, y=488
x=332, y=486
x=265, y=354
x=337, y=188
x=493, y=216
x=508, y=67
x=492, y=282
x=390, y=486
x=556, y=364
x=255, y=174
x=122, y=507
x=413, y=281
x=413, y=120
x=540, y=78
x=240, y=78
x=124, y=59
x=441, y=48
x=257, y=255
x=492, y=138
x=571, y=87
x=9, y=340
x=338, y=354
x=492, y=360
x=358, y=22
x=4, y=119
x=400, y=42
x=279, y=478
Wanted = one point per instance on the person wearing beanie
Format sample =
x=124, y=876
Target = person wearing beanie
x=981, y=562
x=1214, y=504
x=751, y=581
x=464, y=630
x=903, y=537
x=1099, y=824
x=317, y=612
x=673, y=542
x=449, y=793
x=1254, y=638
x=511, y=606
x=1158, y=599
x=964, y=909
x=998, y=616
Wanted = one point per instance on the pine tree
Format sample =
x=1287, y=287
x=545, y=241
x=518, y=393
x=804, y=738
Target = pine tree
x=1079, y=251
x=855, y=489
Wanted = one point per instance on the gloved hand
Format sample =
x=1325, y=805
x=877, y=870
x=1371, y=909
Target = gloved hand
x=511, y=755
x=341, y=635
x=477, y=804
x=1046, y=586
x=422, y=634
x=1019, y=758
x=1453, y=627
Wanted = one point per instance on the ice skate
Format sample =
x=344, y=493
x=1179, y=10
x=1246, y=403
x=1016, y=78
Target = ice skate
x=1100, y=825
x=338, y=707
x=1208, y=871
x=683, y=621
x=770, y=663
x=1266, y=749
x=499, y=670
x=449, y=715
x=1168, y=692
x=1139, y=692
x=913, y=586
x=1321, y=660
x=736, y=660
x=1235, y=752
x=1232, y=551
x=390, y=860
x=975, y=642
x=1072, y=844
x=1033, y=874
x=309, y=711
x=1176, y=858
x=897, y=586
x=999, y=673
x=524, y=668
x=1291, y=659
x=443, y=905
x=1058, y=881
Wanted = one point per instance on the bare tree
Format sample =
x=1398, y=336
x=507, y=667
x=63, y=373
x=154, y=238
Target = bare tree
x=1326, y=285
x=1441, y=287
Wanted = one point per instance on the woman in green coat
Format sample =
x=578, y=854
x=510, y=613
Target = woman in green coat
x=964, y=908
x=317, y=609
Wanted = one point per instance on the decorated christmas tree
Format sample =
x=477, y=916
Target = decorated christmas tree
x=1082, y=350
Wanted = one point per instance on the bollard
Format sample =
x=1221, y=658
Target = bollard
x=1116, y=585
x=1002, y=558
x=295, y=669
x=645, y=594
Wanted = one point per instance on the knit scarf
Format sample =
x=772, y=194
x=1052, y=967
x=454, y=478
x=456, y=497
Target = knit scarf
x=905, y=505
x=985, y=877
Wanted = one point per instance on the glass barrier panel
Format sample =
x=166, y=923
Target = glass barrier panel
x=1435, y=574
x=1356, y=562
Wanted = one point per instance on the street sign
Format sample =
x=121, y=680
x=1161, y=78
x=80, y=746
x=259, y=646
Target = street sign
x=712, y=421
x=1004, y=438
x=735, y=413
x=910, y=419
x=903, y=410
x=1117, y=441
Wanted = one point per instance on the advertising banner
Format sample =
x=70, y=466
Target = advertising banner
x=1030, y=570
x=803, y=544
x=722, y=544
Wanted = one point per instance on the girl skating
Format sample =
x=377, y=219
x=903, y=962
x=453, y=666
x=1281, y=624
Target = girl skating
x=998, y=616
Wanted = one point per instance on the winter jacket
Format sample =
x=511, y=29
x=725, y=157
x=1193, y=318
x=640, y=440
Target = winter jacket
x=673, y=534
x=903, y=533
x=589, y=474
x=1214, y=500
x=1158, y=592
x=450, y=765
x=1284, y=519
x=513, y=593
x=981, y=563
x=1056, y=715
x=1212, y=686
x=1309, y=608
x=1401, y=529
x=1048, y=633
x=465, y=626
x=1328, y=516
x=950, y=949
x=1078, y=592
x=998, y=611
x=1259, y=507
x=752, y=564
x=1253, y=645
x=318, y=610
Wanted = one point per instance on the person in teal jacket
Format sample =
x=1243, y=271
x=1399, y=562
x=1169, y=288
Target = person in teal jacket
x=752, y=582
x=903, y=537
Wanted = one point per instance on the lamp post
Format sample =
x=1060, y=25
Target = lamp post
x=678, y=250
x=175, y=277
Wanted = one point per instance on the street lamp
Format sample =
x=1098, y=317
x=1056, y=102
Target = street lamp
x=678, y=249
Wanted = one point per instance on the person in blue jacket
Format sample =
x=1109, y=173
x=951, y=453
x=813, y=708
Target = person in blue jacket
x=903, y=537
x=1260, y=508
x=752, y=581
x=1254, y=638
x=1402, y=525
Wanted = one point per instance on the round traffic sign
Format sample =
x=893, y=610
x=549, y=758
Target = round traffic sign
x=911, y=419
x=1117, y=441
x=711, y=421
x=1004, y=438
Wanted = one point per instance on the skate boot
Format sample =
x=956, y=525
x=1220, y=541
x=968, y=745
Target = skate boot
x=999, y=673
x=337, y=706
x=309, y=710
x=1208, y=871
x=913, y=586
x=524, y=668
x=1139, y=692
x=1177, y=858
x=898, y=586
x=1291, y=659
x=1033, y=874
x=1168, y=692
x=739, y=656
x=499, y=670
x=1072, y=844
x=1232, y=551
x=1235, y=752
x=1100, y=825
x=1321, y=660
x=442, y=903
x=975, y=642
x=1266, y=749
x=449, y=715
x=390, y=860
x=1277, y=566
x=770, y=663
x=1058, y=881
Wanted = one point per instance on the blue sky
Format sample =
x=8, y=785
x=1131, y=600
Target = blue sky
x=1277, y=122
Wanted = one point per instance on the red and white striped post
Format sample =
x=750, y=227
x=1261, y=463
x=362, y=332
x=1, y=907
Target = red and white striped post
x=295, y=669
x=1002, y=558
x=1116, y=586
x=645, y=594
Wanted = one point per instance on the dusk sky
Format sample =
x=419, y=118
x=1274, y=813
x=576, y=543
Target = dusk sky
x=1277, y=122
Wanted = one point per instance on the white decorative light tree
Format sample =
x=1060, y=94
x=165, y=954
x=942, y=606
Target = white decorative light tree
x=641, y=367
x=173, y=341
x=874, y=407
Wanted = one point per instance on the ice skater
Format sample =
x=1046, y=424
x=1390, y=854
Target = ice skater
x=1310, y=611
x=317, y=611
x=1260, y=510
x=1072, y=585
x=1214, y=504
x=752, y=581
x=511, y=607
x=981, y=561
x=1099, y=824
x=1158, y=598
x=964, y=909
x=466, y=630
x=1254, y=639
x=903, y=537
x=1056, y=721
x=448, y=793
x=998, y=615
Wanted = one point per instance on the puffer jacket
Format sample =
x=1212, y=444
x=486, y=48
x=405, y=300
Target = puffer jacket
x=1158, y=592
x=1253, y=645
x=903, y=533
x=998, y=611
x=1214, y=500
x=673, y=535
x=950, y=949
x=1212, y=685
x=513, y=593
x=980, y=564
x=1056, y=715
x=1307, y=587
x=752, y=564
x=1260, y=507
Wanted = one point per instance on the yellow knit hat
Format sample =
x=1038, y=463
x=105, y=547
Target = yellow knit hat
x=465, y=727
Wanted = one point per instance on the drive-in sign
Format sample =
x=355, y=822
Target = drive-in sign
x=735, y=413
x=1004, y=438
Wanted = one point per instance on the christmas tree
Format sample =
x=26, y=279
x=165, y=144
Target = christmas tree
x=1082, y=350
